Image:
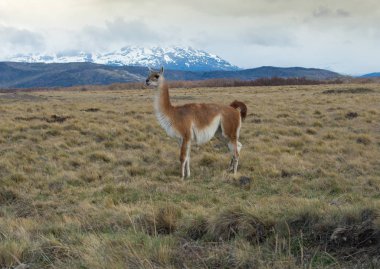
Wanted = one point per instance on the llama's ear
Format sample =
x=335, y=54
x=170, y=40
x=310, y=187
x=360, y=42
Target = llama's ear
x=162, y=70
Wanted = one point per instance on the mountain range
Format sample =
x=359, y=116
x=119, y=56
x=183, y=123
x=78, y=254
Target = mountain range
x=176, y=58
x=129, y=64
x=29, y=75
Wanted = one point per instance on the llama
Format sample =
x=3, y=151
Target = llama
x=197, y=122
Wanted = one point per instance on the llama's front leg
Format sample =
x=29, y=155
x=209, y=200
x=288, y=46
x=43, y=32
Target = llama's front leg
x=183, y=157
x=231, y=165
x=188, y=149
x=236, y=162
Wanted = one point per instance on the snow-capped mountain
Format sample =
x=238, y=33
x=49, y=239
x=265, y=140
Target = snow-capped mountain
x=176, y=58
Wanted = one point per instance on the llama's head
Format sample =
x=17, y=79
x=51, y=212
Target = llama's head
x=154, y=77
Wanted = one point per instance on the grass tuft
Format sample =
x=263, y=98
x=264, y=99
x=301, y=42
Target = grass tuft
x=164, y=221
x=196, y=228
x=236, y=222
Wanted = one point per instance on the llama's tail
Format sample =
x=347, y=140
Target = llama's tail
x=242, y=107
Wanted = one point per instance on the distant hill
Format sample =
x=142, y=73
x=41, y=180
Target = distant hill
x=29, y=75
x=270, y=71
x=371, y=75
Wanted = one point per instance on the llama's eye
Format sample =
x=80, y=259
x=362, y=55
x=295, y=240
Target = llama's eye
x=156, y=76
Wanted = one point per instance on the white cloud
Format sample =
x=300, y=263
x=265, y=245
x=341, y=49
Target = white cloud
x=18, y=39
x=325, y=12
x=121, y=32
x=269, y=37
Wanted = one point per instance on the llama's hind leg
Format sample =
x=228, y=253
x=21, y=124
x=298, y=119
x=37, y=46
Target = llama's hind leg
x=234, y=148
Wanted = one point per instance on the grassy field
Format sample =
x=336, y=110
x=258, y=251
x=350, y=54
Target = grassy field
x=88, y=179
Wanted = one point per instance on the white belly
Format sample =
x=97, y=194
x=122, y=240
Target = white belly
x=205, y=134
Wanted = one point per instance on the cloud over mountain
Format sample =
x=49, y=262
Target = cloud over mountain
x=121, y=30
x=324, y=11
x=13, y=39
x=269, y=36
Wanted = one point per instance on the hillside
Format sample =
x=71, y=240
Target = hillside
x=27, y=75
x=371, y=75
x=271, y=71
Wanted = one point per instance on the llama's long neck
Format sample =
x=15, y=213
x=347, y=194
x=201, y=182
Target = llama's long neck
x=162, y=100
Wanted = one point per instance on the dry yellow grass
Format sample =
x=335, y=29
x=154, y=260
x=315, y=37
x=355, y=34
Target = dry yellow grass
x=90, y=180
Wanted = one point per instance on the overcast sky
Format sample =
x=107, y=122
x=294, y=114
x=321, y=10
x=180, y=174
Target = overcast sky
x=339, y=35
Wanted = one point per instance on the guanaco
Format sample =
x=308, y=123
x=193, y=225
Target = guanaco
x=197, y=122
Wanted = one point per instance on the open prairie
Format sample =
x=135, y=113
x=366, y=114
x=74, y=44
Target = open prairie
x=88, y=179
